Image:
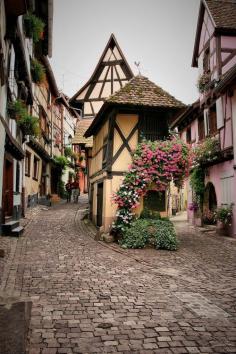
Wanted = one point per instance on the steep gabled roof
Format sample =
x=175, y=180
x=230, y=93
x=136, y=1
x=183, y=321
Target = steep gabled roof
x=111, y=73
x=138, y=93
x=223, y=16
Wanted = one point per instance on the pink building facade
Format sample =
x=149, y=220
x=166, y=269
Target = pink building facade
x=214, y=114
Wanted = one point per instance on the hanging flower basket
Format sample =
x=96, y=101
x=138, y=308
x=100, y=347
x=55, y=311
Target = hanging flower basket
x=203, y=81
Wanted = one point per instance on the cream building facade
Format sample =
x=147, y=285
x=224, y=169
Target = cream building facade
x=139, y=109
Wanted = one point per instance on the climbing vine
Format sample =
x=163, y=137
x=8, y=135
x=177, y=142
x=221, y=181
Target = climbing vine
x=158, y=162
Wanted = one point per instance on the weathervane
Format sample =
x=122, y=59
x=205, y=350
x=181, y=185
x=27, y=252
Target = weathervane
x=137, y=63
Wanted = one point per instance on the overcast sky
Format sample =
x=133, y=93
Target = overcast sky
x=157, y=33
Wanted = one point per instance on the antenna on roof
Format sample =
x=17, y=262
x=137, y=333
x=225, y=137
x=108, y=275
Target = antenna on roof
x=137, y=64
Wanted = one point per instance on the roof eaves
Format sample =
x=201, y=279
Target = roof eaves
x=184, y=114
x=51, y=76
x=98, y=118
x=229, y=77
x=203, y=6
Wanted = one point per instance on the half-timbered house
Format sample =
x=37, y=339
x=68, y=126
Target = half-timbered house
x=214, y=114
x=111, y=73
x=138, y=110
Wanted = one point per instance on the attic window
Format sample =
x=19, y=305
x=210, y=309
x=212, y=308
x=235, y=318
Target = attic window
x=206, y=61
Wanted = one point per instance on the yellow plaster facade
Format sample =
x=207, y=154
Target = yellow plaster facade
x=111, y=183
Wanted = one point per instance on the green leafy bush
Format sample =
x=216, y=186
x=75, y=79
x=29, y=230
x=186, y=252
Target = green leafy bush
x=29, y=125
x=159, y=233
x=37, y=71
x=203, y=82
x=68, y=151
x=150, y=214
x=225, y=214
x=61, y=162
x=16, y=109
x=61, y=189
x=33, y=27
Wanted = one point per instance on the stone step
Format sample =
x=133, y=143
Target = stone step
x=9, y=226
x=18, y=231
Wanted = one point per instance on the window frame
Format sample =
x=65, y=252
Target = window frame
x=36, y=170
x=27, y=163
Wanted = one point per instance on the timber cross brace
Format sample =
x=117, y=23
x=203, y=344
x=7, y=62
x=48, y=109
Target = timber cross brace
x=125, y=141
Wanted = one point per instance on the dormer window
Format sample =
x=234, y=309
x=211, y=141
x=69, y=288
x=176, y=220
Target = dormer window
x=206, y=61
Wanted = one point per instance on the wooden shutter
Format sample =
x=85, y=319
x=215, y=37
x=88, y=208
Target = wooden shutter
x=206, y=121
x=227, y=186
x=219, y=113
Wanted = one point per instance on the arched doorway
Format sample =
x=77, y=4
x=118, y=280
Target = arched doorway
x=209, y=204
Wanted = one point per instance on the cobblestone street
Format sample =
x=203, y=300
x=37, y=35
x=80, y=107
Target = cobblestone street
x=91, y=297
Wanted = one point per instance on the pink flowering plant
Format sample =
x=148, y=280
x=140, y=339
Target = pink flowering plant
x=158, y=162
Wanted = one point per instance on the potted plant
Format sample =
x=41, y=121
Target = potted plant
x=37, y=71
x=16, y=109
x=28, y=124
x=224, y=216
x=33, y=27
x=203, y=82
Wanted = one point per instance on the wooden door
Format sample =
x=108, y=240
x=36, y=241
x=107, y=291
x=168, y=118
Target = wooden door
x=99, y=204
x=7, y=196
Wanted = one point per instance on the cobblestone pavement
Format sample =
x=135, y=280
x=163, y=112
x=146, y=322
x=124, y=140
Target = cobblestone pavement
x=89, y=297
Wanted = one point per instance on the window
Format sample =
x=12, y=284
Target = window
x=188, y=135
x=201, y=132
x=212, y=120
x=36, y=168
x=44, y=125
x=206, y=61
x=27, y=163
x=153, y=127
x=104, y=151
x=227, y=186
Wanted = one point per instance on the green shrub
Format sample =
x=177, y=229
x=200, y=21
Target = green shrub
x=165, y=236
x=33, y=27
x=160, y=233
x=29, y=125
x=61, y=189
x=16, y=109
x=150, y=214
x=68, y=151
x=37, y=71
